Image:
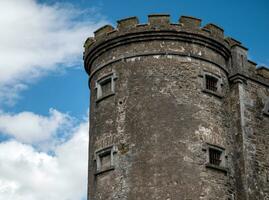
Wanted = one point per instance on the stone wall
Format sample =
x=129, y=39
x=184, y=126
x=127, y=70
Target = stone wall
x=151, y=135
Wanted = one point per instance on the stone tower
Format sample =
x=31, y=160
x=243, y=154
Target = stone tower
x=177, y=112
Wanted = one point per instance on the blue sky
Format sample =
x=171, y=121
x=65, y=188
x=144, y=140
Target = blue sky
x=44, y=92
x=246, y=21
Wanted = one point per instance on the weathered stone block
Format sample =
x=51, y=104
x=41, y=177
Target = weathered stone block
x=190, y=22
x=127, y=23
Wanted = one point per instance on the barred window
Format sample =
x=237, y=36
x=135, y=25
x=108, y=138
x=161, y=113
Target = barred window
x=215, y=156
x=211, y=83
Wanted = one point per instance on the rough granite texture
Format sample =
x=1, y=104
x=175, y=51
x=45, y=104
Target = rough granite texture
x=160, y=119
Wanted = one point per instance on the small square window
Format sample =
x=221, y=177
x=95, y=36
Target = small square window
x=105, y=159
x=216, y=158
x=105, y=86
x=212, y=84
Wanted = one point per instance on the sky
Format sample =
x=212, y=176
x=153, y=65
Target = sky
x=44, y=95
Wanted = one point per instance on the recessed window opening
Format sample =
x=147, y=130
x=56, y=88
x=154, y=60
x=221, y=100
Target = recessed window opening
x=105, y=86
x=215, y=157
x=105, y=159
x=211, y=83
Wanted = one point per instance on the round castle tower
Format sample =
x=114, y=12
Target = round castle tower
x=160, y=125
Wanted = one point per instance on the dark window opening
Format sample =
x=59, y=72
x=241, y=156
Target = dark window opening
x=105, y=161
x=211, y=83
x=215, y=156
x=106, y=87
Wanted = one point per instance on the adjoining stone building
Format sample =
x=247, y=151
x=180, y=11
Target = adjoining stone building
x=177, y=112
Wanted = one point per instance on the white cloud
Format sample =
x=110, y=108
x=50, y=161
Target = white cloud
x=28, y=174
x=28, y=127
x=36, y=38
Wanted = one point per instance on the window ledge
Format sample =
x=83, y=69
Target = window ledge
x=104, y=97
x=219, y=168
x=104, y=170
x=217, y=94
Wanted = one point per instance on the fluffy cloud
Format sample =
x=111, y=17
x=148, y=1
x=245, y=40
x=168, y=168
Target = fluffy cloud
x=28, y=127
x=37, y=38
x=46, y=157
x=28, y=174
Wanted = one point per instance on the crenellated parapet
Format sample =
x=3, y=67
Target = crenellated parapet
x=159, y=27
x=157, y=22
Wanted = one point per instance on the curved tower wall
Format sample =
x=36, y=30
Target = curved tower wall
x=156, y=118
